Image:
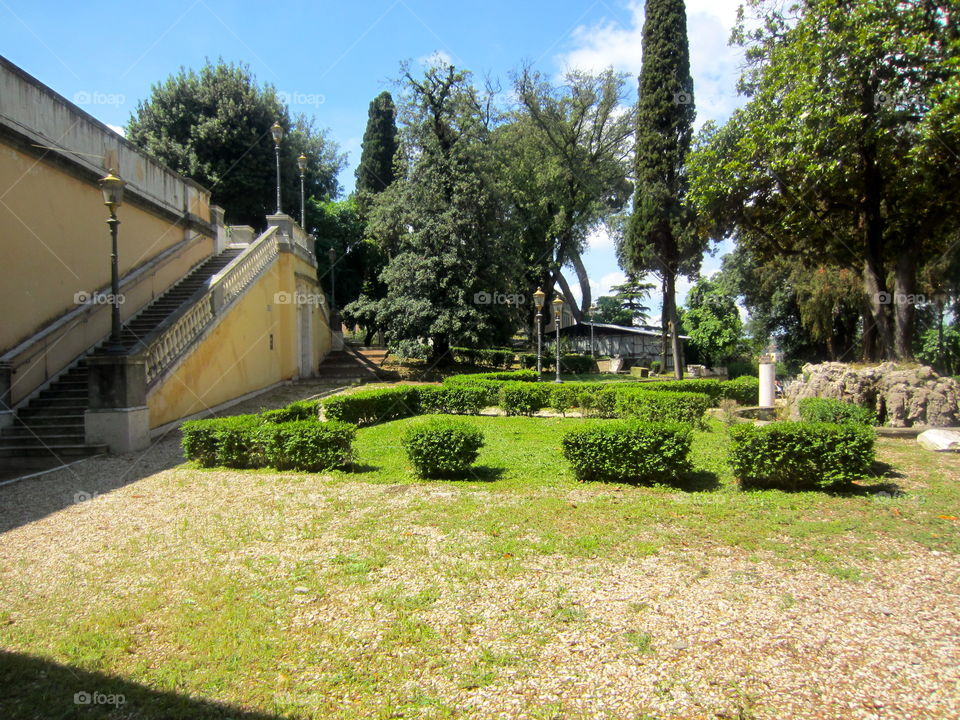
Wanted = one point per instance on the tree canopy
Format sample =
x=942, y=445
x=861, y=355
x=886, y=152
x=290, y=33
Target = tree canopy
x=213, y=126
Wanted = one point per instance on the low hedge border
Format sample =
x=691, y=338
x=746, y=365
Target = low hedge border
x=256, y=441
x=829, y=410
x=628, y=451
x=800, y=455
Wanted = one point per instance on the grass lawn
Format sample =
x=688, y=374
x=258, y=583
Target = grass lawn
x=515, y=593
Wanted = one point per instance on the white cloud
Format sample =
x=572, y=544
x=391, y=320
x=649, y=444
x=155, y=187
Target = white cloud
x=715, y=66
x=600, y=239
x=118, y=129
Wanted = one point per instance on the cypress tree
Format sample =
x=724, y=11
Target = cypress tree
x=375, y=172
x=660, y=236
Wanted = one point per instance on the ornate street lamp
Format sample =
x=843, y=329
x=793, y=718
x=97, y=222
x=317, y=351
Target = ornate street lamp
x=112, y=188
x=538, y=298
x=302, y=164
x=593, y=309
x=557, y=310
x=277, y=133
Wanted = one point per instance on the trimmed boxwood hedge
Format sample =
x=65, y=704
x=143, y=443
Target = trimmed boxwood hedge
x=442, y=447
x=661, y=406
x=452, y=399
x=300, y=410
x=628, y=450
x=830, y=410
x=800, y=455
x=253, y=441
x=367, y=407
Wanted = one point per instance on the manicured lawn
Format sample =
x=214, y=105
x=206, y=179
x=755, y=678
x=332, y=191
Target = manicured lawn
x=515, y=593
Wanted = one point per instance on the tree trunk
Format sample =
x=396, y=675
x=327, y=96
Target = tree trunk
x=586, y=299
x=878, y=300
x=904, y=304
x=664, y=323
x=568, y=297
x=671, y=296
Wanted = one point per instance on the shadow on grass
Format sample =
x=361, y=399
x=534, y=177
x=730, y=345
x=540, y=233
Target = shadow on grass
x=34, y=687
x=888, y=489
x=361, y=468
x=697, y=481
x=885, y=470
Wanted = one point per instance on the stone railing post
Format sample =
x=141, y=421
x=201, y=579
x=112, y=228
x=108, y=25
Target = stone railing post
x=118, y=416
x=220, y=239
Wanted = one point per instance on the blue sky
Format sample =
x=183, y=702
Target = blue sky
x=331, y=58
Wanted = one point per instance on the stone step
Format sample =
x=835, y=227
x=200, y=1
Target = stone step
x=40, y=440
x=62, y=452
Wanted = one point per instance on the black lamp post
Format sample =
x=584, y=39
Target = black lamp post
x=302, y=164
x=112, y=188
x=557, y=312
x=277, y=133
x=593, y=351
x=538, y=298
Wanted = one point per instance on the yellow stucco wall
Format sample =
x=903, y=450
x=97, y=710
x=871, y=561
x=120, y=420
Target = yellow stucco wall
x=236, y=358
x=55, y=242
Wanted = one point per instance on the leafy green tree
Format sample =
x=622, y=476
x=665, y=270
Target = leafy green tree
x=338, y=226
x=449, y=267
x=610, y=310
x=213, y=126
x=563, y=164
x=375, y=172
x=662, y=236
x=712, y=321
x=845, y=155
x=940, y=347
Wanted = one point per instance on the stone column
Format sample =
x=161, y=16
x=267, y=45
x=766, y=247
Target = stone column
x=768, y=379
x=118, y=416
x=220, y=236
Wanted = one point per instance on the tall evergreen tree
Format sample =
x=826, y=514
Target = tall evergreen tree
x=661, y=235
x=375, y=172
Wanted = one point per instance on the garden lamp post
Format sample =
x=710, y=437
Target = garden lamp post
x=593, y=351
x=112, y=188
x=332, y=255
x=277, y=133
x=538, y=298
x=557, y=311
x=302, y=164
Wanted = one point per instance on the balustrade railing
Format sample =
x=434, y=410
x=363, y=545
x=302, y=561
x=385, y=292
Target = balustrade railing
x=171, y=340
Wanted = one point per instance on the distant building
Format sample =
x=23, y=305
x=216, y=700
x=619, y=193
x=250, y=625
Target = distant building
x=640, y=345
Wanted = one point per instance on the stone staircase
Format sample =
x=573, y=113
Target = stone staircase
x=353, y=364
x=50, y=426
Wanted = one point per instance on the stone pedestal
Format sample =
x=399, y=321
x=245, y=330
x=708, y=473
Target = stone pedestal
x=768, y=383
x=118, y=416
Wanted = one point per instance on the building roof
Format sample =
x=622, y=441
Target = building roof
x=608, y=329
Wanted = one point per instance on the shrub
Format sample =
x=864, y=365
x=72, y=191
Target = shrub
x=575, y=364
x=828, y=410
x=598, y=399
x=453, y=399
x=442, y=447
x=522, y=398
x=745, y=390
x=489, y=358
x=521, y=375
x=236, y=441
x=627, y=450
x=800, y=455
x=228, y=441
x=307, y=444
x=372, y=406
x=199, y=441
x=655, y=367
x=301, y=410
x=654, y=406
x=741, y=367
x=562, y=397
